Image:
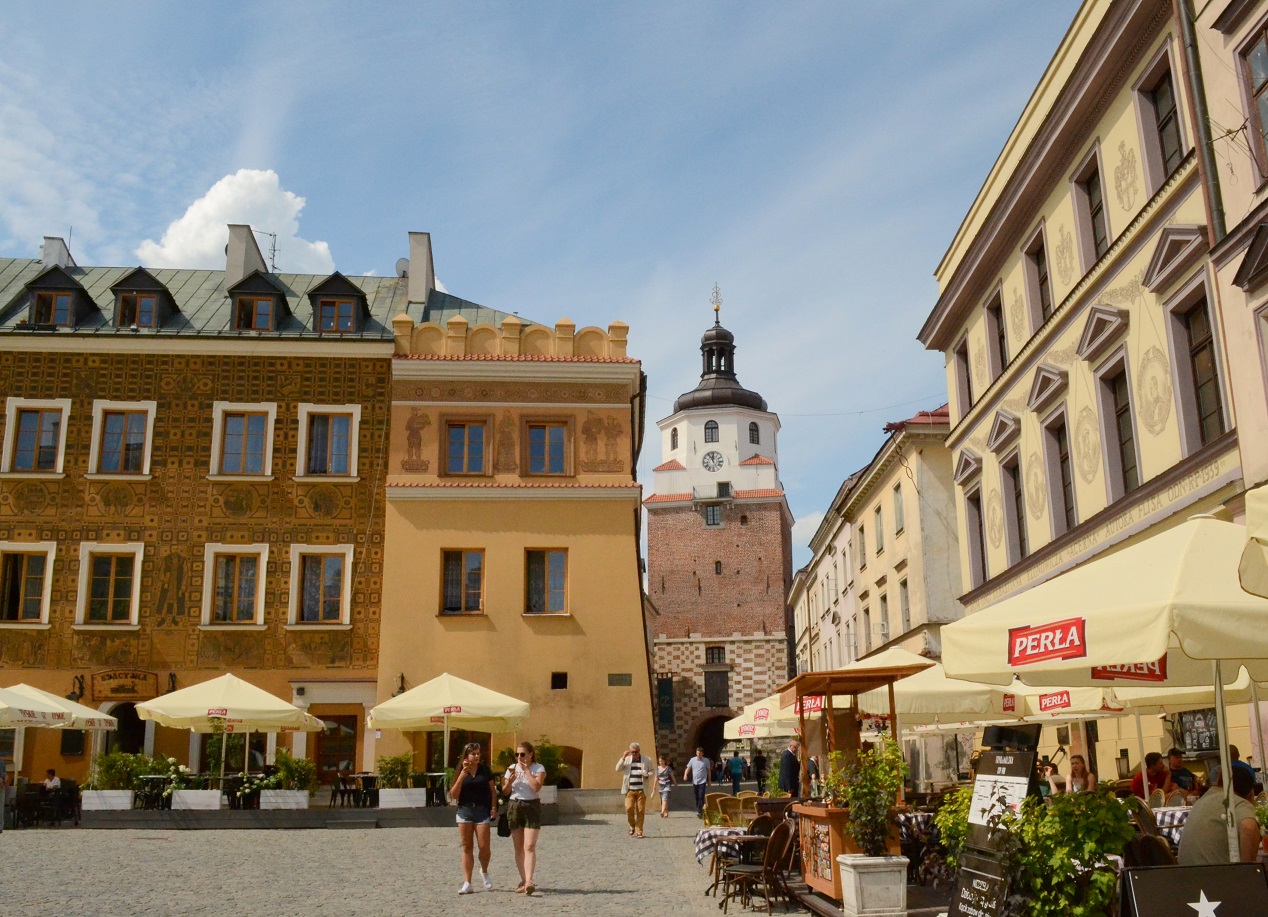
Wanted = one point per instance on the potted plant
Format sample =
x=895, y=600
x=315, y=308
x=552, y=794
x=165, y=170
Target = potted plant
x=872, y=882
x=395, y=791
x=1261, y=815
x=291, y=786
x=113, y=784
x=548, y=755
x=183, y=791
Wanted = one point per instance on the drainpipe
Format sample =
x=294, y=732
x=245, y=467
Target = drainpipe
x=1201, y=120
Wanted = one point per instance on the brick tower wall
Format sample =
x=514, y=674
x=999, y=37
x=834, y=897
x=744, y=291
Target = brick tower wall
x=747, y=597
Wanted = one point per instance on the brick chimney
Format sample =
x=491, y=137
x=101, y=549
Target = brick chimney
x=242, y=255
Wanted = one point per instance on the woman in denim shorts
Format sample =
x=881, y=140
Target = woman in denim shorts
x=477, y=806
x=522, y=783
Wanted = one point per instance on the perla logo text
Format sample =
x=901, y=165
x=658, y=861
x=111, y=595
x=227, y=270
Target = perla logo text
x=1058, y=640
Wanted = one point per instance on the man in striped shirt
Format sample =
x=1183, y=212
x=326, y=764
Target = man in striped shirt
x=635, y=769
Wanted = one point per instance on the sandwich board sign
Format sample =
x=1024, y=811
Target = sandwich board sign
x=1233, y=890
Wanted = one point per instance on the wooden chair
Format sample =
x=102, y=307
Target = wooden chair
x=711, y=810
x=730, y=807
x=749, y=851
x=1177, y=798
x=748, y=808
x=742, y=880
x=1157, y=799
x=745, y=794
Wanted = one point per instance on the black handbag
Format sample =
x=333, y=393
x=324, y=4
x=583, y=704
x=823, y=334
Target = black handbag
x=504, y=821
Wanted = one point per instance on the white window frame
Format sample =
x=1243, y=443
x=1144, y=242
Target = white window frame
x=49, y=550
x=219, y=409
x=11, y=408
x=99, y=409
x=345, y=599
x=306, y=411
x=86, y=550
x=210, y=551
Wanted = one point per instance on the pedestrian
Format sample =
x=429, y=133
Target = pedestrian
x=759, y=769
x=735, y=768
x=522, y=784
x=1082, y=780
x=699, y=771
x=474, y=789
x=790, y=770
x=665, y=783
x=635, y=774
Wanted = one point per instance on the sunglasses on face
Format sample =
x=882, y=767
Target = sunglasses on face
x=521, y=754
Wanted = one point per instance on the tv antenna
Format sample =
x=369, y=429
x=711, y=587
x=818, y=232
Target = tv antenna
x=272, y=248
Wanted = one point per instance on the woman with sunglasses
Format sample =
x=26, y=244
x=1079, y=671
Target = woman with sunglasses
x=522, y=783
x=474, y=788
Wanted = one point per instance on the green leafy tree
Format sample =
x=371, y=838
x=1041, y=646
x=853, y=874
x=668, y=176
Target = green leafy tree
x=873, y=782
x=394, y=770
x=952, y=820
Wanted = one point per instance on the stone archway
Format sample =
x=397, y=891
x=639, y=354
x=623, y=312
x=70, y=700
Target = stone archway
x=709, y=737
x=129, y=735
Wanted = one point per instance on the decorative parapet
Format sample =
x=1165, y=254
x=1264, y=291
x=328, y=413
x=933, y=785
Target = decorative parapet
x=516, y=338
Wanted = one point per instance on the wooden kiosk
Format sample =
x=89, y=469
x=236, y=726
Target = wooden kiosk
x=822, y=829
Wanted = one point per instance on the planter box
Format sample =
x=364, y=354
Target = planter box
x=200, y=800
x=283, y=799
x=408, y=798
x=107, y=800
x=873, y=886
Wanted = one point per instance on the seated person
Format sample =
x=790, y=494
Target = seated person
x=1181, y=777
x=1157, y=772
x=1235, y=758
x=51, y=780
x=1205, y=838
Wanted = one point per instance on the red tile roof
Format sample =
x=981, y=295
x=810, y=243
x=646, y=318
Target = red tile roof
x=757, y=494
x=671, y=465
x=757, y=460
x=511, y=358
x=668, y=498
x=927, y=418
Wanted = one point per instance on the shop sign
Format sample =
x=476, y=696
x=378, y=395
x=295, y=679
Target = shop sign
x=1059, y=640
x=1010, y=703
x=124, y=684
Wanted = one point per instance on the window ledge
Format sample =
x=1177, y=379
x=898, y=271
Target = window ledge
x=461, y=614
x=214, y=627
x=24, y=625
x=239, y=477
x=546, y=614
x=34, y=475
x=107, y=476
x=326, y=479
x=303, y=627
x=111, y=627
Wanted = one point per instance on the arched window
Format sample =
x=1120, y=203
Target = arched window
x=673, y=439
x=711, y=431
x=754, y=435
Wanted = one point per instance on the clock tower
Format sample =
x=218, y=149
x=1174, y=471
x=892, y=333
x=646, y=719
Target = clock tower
x=719, y=556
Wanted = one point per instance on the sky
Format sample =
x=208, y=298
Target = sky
x=599, y=161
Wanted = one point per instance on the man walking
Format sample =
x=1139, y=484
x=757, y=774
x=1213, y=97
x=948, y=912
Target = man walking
x=735, y=769
x=634, y=771
x=699, y=771
x=759, y=770
x=790, y=770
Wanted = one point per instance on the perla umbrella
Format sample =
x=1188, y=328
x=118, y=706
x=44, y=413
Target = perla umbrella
x=1159, y=611
x=762, y=719
x=445, y=702
x=18, y=709
x=79, y=716
x=230, y=704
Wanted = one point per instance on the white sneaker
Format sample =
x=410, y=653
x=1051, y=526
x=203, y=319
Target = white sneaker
x=466, y=889
x=488, y=883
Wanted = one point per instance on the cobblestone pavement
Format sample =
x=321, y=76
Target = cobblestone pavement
x=592, y=868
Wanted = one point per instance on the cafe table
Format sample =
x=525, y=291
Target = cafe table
x=1171, y=821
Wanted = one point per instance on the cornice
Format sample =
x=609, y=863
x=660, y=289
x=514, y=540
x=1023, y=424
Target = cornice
x=880, y=465
x=407, y=492
x=448, y=370
x=197, y=345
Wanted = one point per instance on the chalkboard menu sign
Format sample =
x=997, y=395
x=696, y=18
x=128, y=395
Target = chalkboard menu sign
x=1233, y=890
x=1003, y=780
x=980, y=887
x=1198, y=729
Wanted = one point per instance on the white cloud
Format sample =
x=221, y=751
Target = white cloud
x=252, y=196
x=804, y=529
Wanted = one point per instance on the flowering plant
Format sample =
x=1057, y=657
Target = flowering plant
x=177, y=776
x=253, y=783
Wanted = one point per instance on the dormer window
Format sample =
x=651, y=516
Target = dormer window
x=53, y=307
x=140, y=309
x=254, y=313
x=335, y=316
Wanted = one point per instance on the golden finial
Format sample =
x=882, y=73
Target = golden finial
x=716, y=299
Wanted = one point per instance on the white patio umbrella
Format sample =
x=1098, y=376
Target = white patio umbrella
x=79, y=716
x=19, y=709
x=227, y=703
x=1161, y=609
x=448, y=701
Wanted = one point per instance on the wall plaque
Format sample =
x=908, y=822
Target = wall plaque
x=124, y=684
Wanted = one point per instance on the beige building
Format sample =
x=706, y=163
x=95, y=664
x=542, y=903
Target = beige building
x=511, y=533
x=1090, y=396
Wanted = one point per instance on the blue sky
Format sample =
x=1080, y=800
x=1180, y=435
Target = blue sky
x=599, y=161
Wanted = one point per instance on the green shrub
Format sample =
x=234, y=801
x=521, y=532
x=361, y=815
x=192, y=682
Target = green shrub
x=295, y=773
x=548, y=754
x=872, y=785
x=394, y=770
x=952, y=820
x=772, y=779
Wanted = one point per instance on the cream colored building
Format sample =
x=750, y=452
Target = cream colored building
x=1091, y=403
x=511, y=535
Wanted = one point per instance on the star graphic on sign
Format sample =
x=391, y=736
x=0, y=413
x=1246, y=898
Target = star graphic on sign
x=1203, y=907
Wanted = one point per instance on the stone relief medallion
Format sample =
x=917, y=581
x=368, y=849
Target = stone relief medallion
x=29, y=498
x=1087, y=445
x=1131, y=293
x=324, y=501
x=116, y=498
x=1153, y=390
x=1064, y=256
x=994, y=518
x=1125, y=176
x=186, y=384
x=1036, y=492
x=239, y=500
x=1062, y=357
x=979, y=365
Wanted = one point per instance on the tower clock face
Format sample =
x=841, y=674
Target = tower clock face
x=712, y=461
